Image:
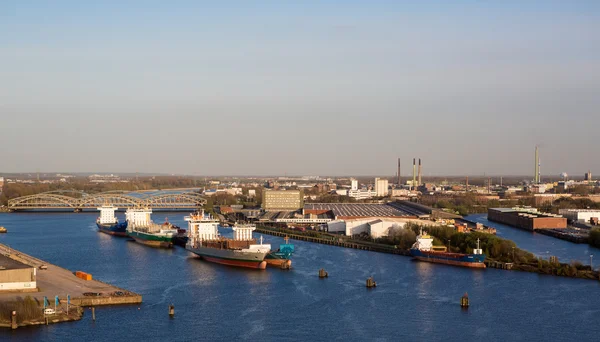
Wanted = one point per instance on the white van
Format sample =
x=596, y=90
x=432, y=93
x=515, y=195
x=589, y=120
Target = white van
x=49, y=311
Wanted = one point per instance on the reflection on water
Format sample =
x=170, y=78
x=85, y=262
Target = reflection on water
x=413, y=300
x=541, y=245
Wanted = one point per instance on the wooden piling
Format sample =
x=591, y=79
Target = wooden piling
x=370, y=282
x=13, y=320
x=323, y=274
x=171, y=310
x=93, y=313
x=464, y=301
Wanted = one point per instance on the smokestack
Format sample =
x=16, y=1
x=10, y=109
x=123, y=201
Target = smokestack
x=419, y=182
x=399, y=177
x=536, y=164
x=414, y=174
x=489, y=185
x=467, y=185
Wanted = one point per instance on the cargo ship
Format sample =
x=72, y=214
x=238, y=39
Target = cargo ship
x=424, y=250
x=205, y=241
x=108, y=223
x=141, y=228
x=281, y=257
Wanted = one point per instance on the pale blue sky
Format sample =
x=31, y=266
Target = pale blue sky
x=311, y=87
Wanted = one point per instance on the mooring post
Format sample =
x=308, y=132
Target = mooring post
x=93, y=313
x=13, y=320
x=171, y=310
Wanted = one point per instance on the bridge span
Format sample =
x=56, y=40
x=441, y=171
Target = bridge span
x=70, y=200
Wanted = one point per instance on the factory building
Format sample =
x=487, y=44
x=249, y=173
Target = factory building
x=354, y=185
x=526, y=218
x=374, y=227
x=16, y=276
x=381, y=187
x=282, y=199
x=361, y=194
x=580, y=215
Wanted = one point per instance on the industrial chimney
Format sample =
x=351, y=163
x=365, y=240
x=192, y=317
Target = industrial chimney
x=414, y=180
x=399, y=177
x=419, y=182
x=536, y=173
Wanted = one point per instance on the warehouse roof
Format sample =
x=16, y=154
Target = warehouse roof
x=7, y=263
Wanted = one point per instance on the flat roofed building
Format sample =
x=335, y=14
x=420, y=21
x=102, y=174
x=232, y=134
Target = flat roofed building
x=381, y=187
x=16, y=276
x=526, y=218
x=282, y=199
x=579, y=215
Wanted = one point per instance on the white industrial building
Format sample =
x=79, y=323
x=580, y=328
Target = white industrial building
x=354, y=185
x=16, y=276
x=361, y=193
x=381, y=187
x=375, y=227
x=579, y=215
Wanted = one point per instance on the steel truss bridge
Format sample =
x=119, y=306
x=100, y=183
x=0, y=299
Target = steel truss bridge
x=72, y=200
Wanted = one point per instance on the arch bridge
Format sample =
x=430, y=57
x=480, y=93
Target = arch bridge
x=78, y=201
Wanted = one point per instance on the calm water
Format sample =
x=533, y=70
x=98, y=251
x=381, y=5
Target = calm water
x=413, y=301
x=542, y=245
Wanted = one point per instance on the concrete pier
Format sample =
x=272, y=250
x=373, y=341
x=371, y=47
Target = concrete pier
x=54, y=281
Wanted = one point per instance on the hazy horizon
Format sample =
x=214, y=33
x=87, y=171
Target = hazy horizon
x=311, y=88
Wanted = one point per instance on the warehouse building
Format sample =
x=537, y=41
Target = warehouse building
x=580, y=215
x=282, y=200
x=526, y=218
x=16, y=276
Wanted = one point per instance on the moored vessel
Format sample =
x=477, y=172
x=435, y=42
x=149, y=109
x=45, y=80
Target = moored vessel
x=281, y=257
x=108, y=223
x=424, y=250
x=205, y=241
x=141, y=228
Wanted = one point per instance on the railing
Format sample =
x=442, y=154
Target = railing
x=57, y=201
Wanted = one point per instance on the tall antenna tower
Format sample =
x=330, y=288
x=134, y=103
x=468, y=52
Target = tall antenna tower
x=398, y=174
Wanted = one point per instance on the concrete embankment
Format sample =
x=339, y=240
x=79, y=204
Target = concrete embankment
x=336, y=241
x=54, y=281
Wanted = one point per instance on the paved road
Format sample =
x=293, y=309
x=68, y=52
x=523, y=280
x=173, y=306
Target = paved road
x=54, y=281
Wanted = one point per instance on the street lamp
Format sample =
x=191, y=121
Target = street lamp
x=449, y=246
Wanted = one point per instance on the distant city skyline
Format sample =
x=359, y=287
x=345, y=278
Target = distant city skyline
x=310, y=88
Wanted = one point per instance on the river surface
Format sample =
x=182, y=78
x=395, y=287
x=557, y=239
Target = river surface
x=413, y=301
x=542, y=245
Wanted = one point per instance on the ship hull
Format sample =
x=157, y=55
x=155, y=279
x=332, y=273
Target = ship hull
x=180, y=240
x=454, y=259
x=275, y=259
x=151, y=239
x=118, y=229
x=231, y=257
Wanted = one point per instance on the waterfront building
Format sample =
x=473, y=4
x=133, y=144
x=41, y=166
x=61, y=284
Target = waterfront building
x=579, y=215
x=282, y=199
x=16, y=276
x=381, y=187
x=526, y=218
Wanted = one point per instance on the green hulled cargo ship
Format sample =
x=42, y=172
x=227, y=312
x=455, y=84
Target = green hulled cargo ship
x=141, y=228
